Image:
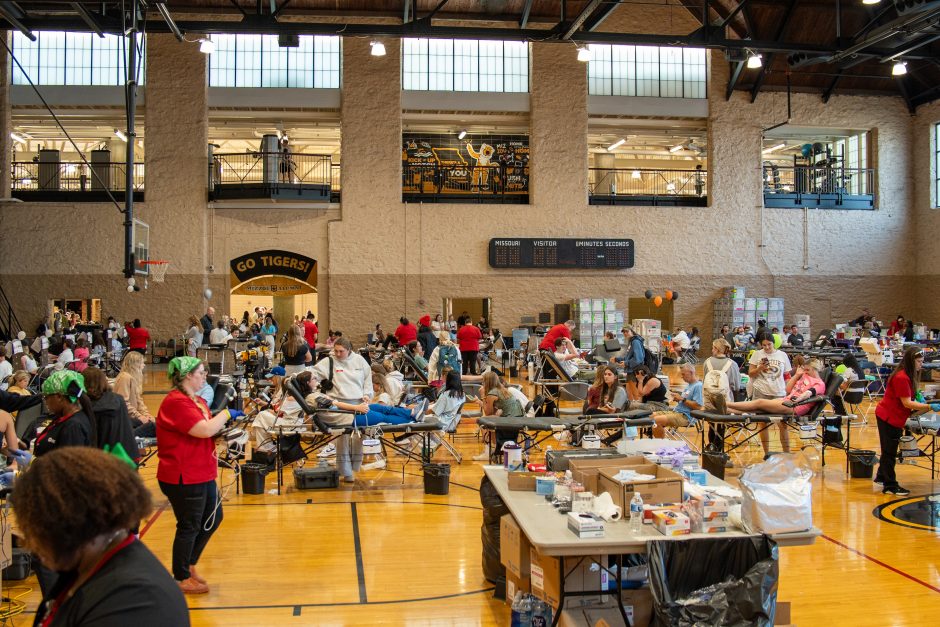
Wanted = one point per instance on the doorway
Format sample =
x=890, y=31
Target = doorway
x=283, y=308
x=476, y=308
x=88, y=310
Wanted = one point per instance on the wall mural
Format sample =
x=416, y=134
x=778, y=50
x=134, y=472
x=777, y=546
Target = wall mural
x=477, y=164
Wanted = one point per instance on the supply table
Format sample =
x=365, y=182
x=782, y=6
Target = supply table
x=547, y=531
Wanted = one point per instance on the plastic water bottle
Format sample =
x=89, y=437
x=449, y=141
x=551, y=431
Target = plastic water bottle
x=521, y=610
x=636, y=513
x=541, y=613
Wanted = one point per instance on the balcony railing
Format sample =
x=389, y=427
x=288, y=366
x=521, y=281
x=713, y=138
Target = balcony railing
x=496, y=183
x=643, y=186
x=292, y=176
x=73, y=180
x=819, y=187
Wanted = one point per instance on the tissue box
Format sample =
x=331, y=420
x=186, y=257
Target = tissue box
x=698, y=476
x=586, y=525
x=545, y=485
x=670, y=523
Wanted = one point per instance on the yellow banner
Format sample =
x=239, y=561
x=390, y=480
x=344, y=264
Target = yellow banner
x=274, y=286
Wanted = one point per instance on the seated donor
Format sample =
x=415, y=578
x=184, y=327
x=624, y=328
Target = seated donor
x=605, y=396
x=681, y=415
x=653, y=392
x=805, y=383
x=498, y=400
x=565, y=358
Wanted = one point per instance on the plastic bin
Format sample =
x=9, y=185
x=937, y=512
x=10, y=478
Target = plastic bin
x=437, y=479
x=252, y=476
x=862, y=463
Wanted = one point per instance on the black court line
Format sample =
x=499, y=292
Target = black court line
x=294, y=606
x=312, y=502
x=360, y=570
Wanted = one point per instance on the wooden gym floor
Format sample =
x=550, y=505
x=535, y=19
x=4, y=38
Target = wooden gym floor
x=381, y=551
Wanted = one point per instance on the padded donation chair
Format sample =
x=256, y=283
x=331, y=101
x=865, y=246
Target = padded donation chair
x=575, y=394
x=550, y=376
x=874, y=355
x=852, y=398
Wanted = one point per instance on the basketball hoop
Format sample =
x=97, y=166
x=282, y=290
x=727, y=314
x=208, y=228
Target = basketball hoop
x=157, y=269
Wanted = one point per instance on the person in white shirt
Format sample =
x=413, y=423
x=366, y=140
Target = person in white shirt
x=66, y=356
x=565, y=358
x=766, y=368
x=219, y=335
x=6, y=369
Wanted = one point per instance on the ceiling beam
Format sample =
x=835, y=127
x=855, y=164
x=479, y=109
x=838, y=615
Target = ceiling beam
x=737, y=68
x=910, y=48
x=526, y=9
x=440, y=5
x=905, y=93
x=240, y=10
x=578, y=21
x=727, y=19
x=88, y=18
x=165, y=14
x=406, y=11
x=280, y=8
x=769, y=58
x=832, y=87
x=13, y=14
x=600, y=15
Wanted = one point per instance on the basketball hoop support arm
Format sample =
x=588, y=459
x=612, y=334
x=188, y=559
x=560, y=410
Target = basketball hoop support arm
x=130, y=99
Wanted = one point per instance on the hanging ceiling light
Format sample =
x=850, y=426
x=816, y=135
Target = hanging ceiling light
x=19, y=139
x=899, y=69
x=676, y=148
x=670, y=187
x=636, y=175
x=616, y=144
x=378, y=48
x=754, y=61
x=120, y=135
x=871, y=1
x=584, y=54
x=775, y=148
x=206, y=46
x=462, y=134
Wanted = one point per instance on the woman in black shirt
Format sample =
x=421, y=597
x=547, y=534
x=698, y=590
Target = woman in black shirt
x=653, y=391
x=76, y=508
x=73, y=420
x=295, y=350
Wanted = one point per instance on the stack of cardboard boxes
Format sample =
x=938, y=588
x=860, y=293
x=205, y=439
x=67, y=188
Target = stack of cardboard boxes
x=595, y=316
x=735, y=309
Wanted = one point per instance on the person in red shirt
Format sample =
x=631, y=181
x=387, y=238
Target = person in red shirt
x=468, y=341
x=137, y=337
x=557, y=331
x=406, y=332
x=893, y=411
x=188, y=467
x=311, y=332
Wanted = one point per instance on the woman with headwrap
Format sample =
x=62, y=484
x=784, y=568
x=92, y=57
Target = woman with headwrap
x=188, y=467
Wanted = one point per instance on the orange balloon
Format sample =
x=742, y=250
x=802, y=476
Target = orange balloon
x=668, y=294
x=658, y=301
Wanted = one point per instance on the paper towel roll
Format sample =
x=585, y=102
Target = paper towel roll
x=605, y=508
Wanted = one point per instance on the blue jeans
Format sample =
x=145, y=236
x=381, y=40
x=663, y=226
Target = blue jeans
x=383, y=413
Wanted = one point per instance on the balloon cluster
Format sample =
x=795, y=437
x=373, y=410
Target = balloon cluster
x=658, y=300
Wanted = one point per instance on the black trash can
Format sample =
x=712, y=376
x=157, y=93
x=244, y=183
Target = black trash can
x=862, y=463
x=252, y=477
x=437, y=479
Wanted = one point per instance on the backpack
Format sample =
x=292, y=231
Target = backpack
x=447, y=356
x=716, y=381
x=650, y=359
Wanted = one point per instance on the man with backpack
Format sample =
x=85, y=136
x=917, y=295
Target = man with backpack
x=634, y=355
x=720, y=383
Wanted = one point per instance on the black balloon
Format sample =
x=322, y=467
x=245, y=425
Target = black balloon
x=648, y=294
x=675, y=295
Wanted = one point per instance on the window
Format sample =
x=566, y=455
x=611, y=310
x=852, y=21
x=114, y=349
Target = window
x=667, y=72
x=465, y=65
x=258, y=61
x=852, y=151
x=57, y=58
x=936, y=165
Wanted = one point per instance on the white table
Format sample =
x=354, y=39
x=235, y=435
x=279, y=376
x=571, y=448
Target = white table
x=547, y=530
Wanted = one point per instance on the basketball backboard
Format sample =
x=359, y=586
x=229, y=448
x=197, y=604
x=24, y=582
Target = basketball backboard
x=141, y=247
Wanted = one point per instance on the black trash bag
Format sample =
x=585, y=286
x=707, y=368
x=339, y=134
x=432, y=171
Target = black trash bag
x=493, y=509
x=730, y=582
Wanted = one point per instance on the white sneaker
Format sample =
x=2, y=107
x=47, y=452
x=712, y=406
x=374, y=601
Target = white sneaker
x=376, y=465
x=484, y=456
x=328, y=451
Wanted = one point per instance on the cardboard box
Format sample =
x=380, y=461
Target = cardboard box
x=637, y=603
x=585, y=470
x=525, y=481
x=712, y=508
x=665, y=488
x=782, y=615
x=515, y=584
x=670, y=523
x=514, y=547
x=545, y=577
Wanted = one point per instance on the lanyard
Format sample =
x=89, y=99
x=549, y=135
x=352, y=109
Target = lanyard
x=53, y=606
x=45, y=432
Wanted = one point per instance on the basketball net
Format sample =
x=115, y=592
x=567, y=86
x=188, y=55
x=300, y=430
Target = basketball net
x=157, y=270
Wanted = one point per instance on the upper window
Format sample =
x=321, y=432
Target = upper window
x=465, y=65
x=646, y=71
x=258, y=61
x=936, y=165
x=58, y=58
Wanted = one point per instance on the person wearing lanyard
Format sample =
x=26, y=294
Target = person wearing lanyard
x=73, y=421
x=893, y=411
x=188, y=467
x=76, y=508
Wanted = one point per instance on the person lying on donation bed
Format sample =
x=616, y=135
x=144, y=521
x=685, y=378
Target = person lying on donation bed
x=66, y=357
x=129, y=384
x=565, y=359
x=82, y=353
x=690, y=399
x=295, y=350
x=115, y=433
x=499, y=400
x=744, y=338
x=18, y=383
x=417, y=352
x=76, y=509
x=282, y=409
x=653, y=392
x=446, y=355
x=447, y=406
x=893, y=412
x=383, y=411
x=605, y=395
x=804, y=384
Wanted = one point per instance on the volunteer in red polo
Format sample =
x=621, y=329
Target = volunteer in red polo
x=137, y=337
x=557, y=331
x=893, y=411
x=405, y=332
x=188, y=467
x=468, y=341
x=311, y=332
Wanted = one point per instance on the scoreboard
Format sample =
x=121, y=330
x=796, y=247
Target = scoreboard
x=560, y=253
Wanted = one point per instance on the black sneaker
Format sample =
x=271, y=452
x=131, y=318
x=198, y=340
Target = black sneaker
x=897, y=491
x=878, y=482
